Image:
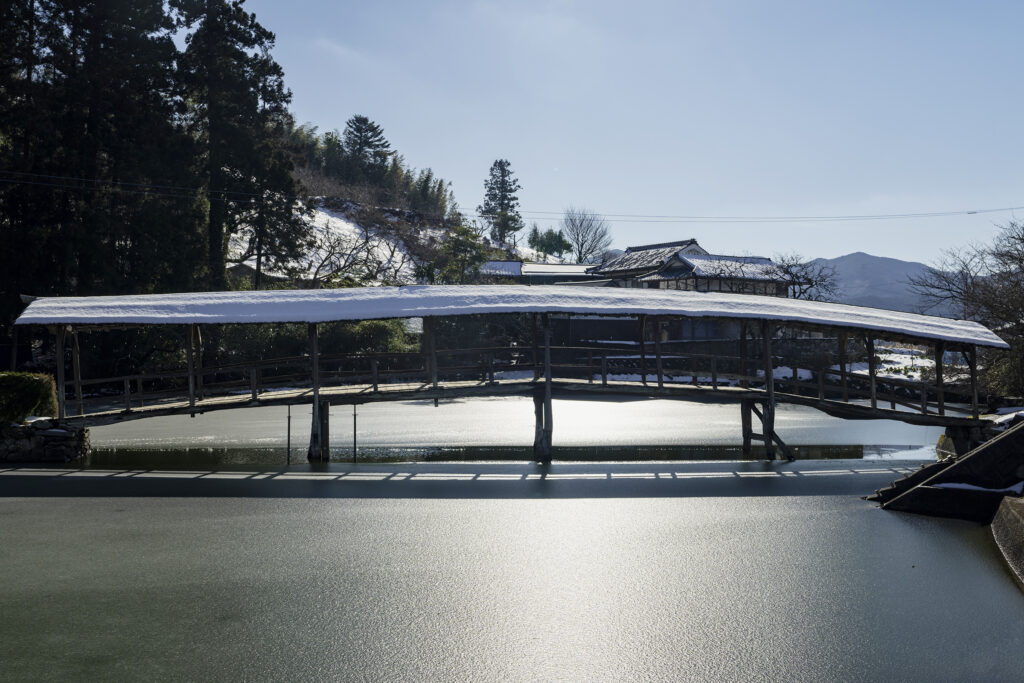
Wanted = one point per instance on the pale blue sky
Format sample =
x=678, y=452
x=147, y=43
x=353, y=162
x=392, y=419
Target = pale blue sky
x=689, y=108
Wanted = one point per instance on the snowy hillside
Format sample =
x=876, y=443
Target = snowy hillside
x=341, y=247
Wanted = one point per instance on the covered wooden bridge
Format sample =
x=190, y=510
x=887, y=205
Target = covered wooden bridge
x=771, y=341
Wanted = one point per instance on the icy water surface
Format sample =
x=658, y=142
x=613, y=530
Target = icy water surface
x=592, y=572
x=503, y=428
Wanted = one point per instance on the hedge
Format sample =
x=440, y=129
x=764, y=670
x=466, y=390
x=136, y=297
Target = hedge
x=26, y=393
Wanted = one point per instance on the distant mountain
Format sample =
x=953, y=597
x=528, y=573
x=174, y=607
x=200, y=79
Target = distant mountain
x=876, y=281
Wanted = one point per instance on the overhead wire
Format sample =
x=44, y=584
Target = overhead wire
x=180, y=191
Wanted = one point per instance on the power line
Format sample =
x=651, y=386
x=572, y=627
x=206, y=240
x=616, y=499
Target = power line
x=179, y=191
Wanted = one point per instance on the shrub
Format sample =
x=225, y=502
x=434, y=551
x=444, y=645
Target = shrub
x=26, y=393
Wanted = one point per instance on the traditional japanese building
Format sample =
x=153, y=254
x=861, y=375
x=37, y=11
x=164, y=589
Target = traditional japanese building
x=688, y=266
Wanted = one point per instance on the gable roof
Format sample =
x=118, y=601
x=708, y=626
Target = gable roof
x=644, y=257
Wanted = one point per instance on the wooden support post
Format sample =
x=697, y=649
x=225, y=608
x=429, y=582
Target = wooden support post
x=796, y=379
x=548, y=415
x=590, y=367
x=842, y=367
x=138, y=390
x=536, y=350
x=872, y=371
x=253, y=383
x=714, y=373
x=190, y=361
x=744, y=382
x=76, y=369
x=430, y=350
x=642, y=321
x=604, y=369
x=127, y=395
x=693, y=370
x=374, y=372
x=821, y=382
x=657, y=353
x=940, y=353
x=972, y=362
x=199, y=361
x=316, y=436
x=325, y=430
x=490, y=367
x=768, y=417
x=924, y=397
x=540, y=454
x=746, y=419
x=61, y=332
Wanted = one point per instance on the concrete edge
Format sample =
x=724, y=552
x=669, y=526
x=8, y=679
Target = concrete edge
x=1008, y=532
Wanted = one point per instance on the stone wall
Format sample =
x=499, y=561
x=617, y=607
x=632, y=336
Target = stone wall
x=43, y=441
x=1008, y=530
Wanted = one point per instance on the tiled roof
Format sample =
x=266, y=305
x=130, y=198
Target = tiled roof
x=642, y=259
x=736, y=267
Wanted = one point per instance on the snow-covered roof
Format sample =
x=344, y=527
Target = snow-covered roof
x=368, y=303
x=557, y=269
x=738, y=267
x=527, y=269
x=645, y=257
x=502, y=268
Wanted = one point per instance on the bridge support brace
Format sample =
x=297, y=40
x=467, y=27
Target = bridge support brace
x=541, y=443
x=320, y=438
x=542, y=409
x=319, y=441
x=766, y=415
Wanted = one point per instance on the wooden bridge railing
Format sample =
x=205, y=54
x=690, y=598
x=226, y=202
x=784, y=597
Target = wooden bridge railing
x=658, y=363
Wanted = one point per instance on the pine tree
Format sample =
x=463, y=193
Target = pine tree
x=500, y=209
x=366, y=149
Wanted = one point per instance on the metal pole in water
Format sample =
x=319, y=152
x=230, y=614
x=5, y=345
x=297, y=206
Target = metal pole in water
x=353, y=432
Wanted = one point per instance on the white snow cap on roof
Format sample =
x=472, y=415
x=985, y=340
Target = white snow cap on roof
x=502, y=268
x=369, y=303
x=555, y=269
x=738, y=267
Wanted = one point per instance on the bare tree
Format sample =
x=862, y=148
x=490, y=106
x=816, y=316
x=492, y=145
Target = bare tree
x=362, y=258
x=811, y=280
x=588, y=233
x=986, y=283
x=953, y=284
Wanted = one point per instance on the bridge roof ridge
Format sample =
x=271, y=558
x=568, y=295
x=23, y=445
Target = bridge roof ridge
x=369, y=303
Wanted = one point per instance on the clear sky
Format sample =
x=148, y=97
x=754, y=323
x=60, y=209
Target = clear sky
x=756, y=108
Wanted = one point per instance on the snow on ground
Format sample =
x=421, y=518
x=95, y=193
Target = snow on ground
x=530, y=254
x=340, y=243
x=909, y=362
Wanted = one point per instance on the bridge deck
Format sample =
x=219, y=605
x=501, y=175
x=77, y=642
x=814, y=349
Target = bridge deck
x=102, y=412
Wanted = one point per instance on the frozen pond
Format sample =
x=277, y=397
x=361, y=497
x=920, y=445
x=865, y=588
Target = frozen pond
x=742, y=571
x=509, y=422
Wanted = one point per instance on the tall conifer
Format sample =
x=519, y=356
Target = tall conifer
x=501, y=203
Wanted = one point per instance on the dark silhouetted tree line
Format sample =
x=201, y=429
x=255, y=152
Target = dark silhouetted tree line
x=126, y=162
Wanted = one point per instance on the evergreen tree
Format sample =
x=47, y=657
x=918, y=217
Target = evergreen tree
x=458, y=261
x=500, y=209
x=366, y=149
x=89, y=148
x=238, y=102
x=550, y=242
